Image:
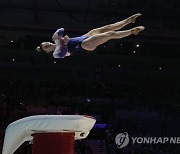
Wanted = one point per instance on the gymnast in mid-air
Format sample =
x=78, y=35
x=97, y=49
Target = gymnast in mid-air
x=64, y=46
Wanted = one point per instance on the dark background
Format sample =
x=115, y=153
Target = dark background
x=127, y=88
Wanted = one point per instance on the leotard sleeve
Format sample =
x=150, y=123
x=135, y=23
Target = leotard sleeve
x=60, y=32
x=61, y=53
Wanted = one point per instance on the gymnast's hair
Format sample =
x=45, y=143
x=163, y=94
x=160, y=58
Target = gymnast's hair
x=39, y=48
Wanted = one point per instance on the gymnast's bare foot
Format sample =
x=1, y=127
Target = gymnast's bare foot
x=136, y=30
x=132, y=19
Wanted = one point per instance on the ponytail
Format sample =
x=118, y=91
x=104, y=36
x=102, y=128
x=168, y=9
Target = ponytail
x=39, y=48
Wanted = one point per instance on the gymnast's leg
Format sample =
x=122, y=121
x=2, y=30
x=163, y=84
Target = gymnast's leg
x=114, y=26
x=92, y=42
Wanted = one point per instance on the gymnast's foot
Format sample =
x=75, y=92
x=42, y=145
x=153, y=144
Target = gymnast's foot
x=136, y=30
x=132, y=19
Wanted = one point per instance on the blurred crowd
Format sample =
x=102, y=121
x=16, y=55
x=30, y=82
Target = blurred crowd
x=122, y=105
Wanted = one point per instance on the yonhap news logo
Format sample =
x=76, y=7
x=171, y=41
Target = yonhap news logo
x=123, y=139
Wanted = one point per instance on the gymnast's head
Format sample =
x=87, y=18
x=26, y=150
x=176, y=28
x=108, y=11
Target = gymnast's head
x=46, y=47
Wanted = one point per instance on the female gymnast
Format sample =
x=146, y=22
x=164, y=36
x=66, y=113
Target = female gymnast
x=65, y=46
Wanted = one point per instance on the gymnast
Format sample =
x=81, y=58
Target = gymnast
x=65, y=46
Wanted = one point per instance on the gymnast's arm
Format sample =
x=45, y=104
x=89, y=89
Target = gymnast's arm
x=59, y=33
x=61, y=53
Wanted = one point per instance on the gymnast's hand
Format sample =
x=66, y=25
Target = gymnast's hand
x=55, y=36
x=66, y=39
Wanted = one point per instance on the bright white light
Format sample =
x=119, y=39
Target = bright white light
x=54, y=62
x=119, y=65
x=12, y=41
x=88, y=99
x=137, y=45
x=134, y=51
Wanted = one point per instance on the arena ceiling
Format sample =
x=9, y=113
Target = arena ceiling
x=161, y=18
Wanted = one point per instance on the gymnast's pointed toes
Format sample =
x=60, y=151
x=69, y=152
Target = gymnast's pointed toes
x=133, y=17
x=141, y=27
x=138, y=14
x=138, y=29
